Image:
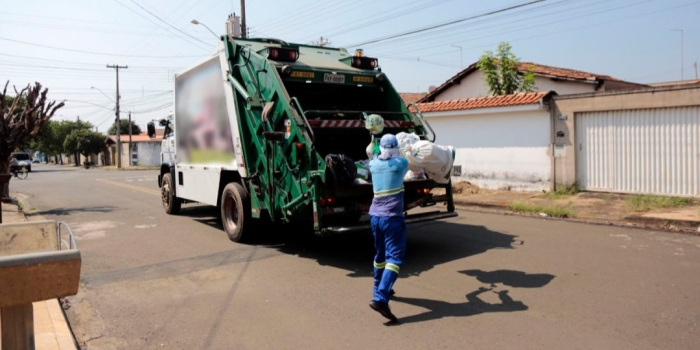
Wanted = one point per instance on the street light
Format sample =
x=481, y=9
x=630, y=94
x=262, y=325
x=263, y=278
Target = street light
x=461, y=62
x=94, y=88
x=196, y=22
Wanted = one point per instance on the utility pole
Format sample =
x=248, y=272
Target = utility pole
x=244, y=28
x=682, y=52
x=130, y=138
x=323, y=43
x=119, y=143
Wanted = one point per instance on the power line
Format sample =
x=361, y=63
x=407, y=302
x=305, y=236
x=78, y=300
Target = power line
x=547, y=23
x=372, y=20
x=446, y=24
x=94, y=53
x=164, y=21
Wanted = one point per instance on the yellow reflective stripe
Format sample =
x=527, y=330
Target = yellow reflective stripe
x=393, y=267
x=380, y=265
x=386, y=193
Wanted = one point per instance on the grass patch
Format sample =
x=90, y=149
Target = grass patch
x=20, y=206
x=554, y=211
x=32, y=208
x=642, y=202
x=565, y=192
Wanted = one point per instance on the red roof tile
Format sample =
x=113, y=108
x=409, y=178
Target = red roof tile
x=518, y=99
x=411, y=97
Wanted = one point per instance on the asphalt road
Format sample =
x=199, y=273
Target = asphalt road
x=481, y=281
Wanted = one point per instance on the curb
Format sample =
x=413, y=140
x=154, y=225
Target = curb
x=60, y=301
x=639, y=222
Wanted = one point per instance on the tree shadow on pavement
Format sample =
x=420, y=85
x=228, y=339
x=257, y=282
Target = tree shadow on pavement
x=69, y=211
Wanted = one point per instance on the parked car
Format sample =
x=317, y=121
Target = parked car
x=35, y=160
x=23, y=157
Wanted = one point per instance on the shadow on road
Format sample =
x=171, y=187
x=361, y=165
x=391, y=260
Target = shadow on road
x=69, y=211
x=428, y=245
x=511, y=278
x=473, y=306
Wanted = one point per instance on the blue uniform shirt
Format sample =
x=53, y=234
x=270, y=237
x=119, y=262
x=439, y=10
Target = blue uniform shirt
x=387, y=180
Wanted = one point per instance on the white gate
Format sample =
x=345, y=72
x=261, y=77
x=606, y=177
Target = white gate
x=651, y=151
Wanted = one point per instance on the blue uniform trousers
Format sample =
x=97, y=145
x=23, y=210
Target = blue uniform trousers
x=390, y=245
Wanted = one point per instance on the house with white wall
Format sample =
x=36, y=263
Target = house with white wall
x=144, y=150
x=501, y=142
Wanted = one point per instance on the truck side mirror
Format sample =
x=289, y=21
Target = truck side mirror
x=151, y=129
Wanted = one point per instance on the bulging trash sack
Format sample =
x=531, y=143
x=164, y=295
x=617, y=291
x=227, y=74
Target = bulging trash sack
x=415, y=175
x=406, y=139
x=375, y=124
x=434, y=159
x=341, y=169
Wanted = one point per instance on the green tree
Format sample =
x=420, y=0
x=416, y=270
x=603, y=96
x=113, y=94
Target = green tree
x=85, y=142
x=51, y=137
x=502, y=72
x=124, y=128
x=21, y=118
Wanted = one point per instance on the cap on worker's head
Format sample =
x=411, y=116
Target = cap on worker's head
x=389, y=141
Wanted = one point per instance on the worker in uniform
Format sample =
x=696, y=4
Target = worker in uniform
x=388, y=225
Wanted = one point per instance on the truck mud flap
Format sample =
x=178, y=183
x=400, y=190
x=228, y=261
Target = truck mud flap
x=410, y=219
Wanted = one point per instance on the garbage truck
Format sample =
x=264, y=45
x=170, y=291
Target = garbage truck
x=254, y=125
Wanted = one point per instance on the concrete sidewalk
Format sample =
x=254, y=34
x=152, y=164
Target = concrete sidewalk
x=51, y=331
x=668, y=213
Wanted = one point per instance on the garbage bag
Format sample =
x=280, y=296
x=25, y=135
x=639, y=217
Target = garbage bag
x=375, y=124
x=434, y=159
x=363, y=169
x=415, y=175
x=406, y=139
x=341, y=169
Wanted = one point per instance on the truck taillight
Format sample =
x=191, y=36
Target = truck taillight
x=282, y=54
x=326, y=202
x=364, y=62
x=423, y=191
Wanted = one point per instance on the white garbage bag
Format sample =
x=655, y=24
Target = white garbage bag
x=406, y=139
x=415, y=175
x=436, y=160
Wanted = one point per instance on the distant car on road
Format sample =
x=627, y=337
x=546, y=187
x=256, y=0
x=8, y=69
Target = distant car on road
x=23, y=157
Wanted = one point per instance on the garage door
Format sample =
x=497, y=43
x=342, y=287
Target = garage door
x=653, y=151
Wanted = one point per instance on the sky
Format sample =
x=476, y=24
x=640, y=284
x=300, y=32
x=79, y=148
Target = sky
x=66, y=45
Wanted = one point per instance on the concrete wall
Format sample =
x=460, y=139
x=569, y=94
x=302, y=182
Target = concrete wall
x=148, y=153
x=473, y=85
x=565, y=168
x=498, y=147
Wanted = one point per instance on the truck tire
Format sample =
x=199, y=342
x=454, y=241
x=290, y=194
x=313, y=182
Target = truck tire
x=235, y=212
x=171, y=204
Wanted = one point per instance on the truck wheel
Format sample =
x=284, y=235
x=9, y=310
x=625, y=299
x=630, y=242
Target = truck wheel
x=235, y=212
x=171, y=203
